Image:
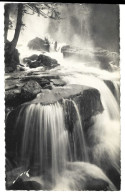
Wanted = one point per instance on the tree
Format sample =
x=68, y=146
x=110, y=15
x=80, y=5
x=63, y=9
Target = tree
x=47, y=10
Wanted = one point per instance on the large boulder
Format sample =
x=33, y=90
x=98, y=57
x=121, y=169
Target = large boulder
x=64, y=48
x=87, y=98
x=12, y=98
x=39, y=44
x=27, y=92
x=30, y=90
x=35, y=61
x=30, y=58
x=47, y=61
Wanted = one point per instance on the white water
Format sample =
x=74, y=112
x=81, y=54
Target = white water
x=45, y=139
x=46, y=146
x=104, y=134
x=79, y=143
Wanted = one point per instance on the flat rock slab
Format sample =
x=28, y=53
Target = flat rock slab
x=59, y=93
x=58, y=82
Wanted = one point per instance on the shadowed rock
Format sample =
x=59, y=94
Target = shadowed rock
x=28, y=92
x=25, y=185
x=35, y=61
x=39, y=44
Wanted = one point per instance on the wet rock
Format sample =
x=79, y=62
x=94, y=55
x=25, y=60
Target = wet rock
x=35, y=61
x=58, y=82
x=39, y=44
x=30, y=90
x=87, y=98
x=48, y=87
x=21, y=67
x=97, y=185
x=10, y=87
x=25, y=185
x=35, y=64
x=41, y=80
x=12, y=98
x=90, y=103
x=30, y=58
x=64, y=48
x=104, y=62
x=18, y=96
x=31, y=87
x=47, y=61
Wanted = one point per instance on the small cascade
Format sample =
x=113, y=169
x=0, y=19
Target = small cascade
x=76, y=135
x=48, y=144
x=117, y=90
x=45, y=140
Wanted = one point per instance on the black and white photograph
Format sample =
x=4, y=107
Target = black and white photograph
x=62, y=96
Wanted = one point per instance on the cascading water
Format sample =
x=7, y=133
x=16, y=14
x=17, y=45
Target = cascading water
x=45, y=140
x=102, y=143
x=51, y=152
x=77, y=139
x=54, y=139
x=46, y=145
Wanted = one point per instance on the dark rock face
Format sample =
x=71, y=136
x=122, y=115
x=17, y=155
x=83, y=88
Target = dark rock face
x=27, y=93
x=25, y=185
x=90, y=103
x=97, y=185
x=35, y=61
x=39, y=44
x=35, y=64
x=47, y=61
x=32, y=87
x=11, y=59
x=12, y=98
x=64, y=48
x=30, y=58
x=30, y=90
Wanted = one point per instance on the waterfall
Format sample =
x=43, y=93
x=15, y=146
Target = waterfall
x=77, y=139
x=56, y=155
x=47, y=145
x=45, y=139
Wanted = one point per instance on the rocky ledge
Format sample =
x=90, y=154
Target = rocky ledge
x=41, y=60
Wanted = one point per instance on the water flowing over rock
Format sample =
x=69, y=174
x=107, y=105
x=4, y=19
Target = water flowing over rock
x=75, y=92
x=62, y=123
x=45, y=146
